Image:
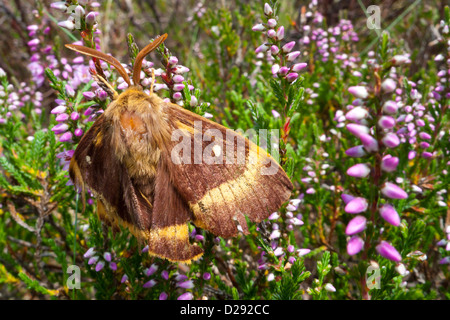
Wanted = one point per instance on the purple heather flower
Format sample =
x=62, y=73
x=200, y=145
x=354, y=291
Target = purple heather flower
x=356, y=114
x=59, y=109
x=62, y=117
x=393, y=191
x=258, y=27
x=178, y=87
x=107, y=256
x=359, y=170
x=390, y=140
x=149, y=284
x=355, y=245
x=163, y=296
x=386, y=122
x=359, y=92
x=67, y=24
x=369, y=142
x=357, y=129
x=66, y=137
x=299, y=66
x=283, y=71
x=262, y=48
x=113, y=266
x=78, y=132
x=388, y=251
x=291, y=77
x=153, y=268
x=356, y=152
x=347, y=198
x=388, y=85
x=93, y=260
x=188, y=284
x=390, y=107
x=303, y=252
x=330, y=288
x=280, y=33
x=356, y=225
x=356, y=205
x=390, y=215
x=292, y=55
x=288, y=46
x=124, y=278
x=271, y=33
x=274, y=50
x=271, y=23
x=445, y=260
x=268, y=9
x=389, y=164
x=207, y=276
x=99, y=266
x=186, y=296
x=89, y=253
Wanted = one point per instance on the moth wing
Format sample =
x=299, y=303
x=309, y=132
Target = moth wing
x=95, y=164
x=161, y=223
x=223, y=176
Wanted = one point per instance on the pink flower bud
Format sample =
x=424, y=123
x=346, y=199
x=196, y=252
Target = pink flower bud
x=386, y=122
x=356, y=225
x=356, y=152
x=262, y=48
x=62, y=117
x=186, y=284
x=271, y=33
x=267, y=9
x=359, y=92
x=292, y=77
x=390, y=215
x=424, y=135
x=66, y=137
x=163, y=296
x=78, y=132
x=299, y=66
x=67, y=24
x=393, y=191
x=149, y=284
x=292, y=55
x=347, y=198
x=275, y=69
x=388, y=85
x=356, y=114
x=390, y=107
x=357, y=129
x=274, y=50
x=186, y=296
x=90, y=18
x=178, y=78
x=356, y=205
x=280, y=33
x=388, y=251
x=283, y=71
x=172, y=60
x=99, y=266
x=258, y=27
x=354, y=245
x=271, y=23
x=178, y=87
x=359, y=170
x=58, y=109
x=389, y=164
x=288, y=46
x=390, y=140
x=369, y=142
x=60, y=128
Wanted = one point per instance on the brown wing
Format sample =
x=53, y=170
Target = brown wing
x=158, y=217
x=243, y=179
x=95, y=164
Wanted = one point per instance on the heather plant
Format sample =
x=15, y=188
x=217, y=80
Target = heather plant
x=362, y=129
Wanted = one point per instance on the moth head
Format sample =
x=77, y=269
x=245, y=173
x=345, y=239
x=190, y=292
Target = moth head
x=116, y=64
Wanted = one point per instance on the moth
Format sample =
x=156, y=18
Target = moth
x=130, y=161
